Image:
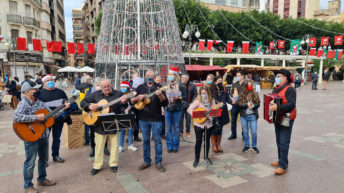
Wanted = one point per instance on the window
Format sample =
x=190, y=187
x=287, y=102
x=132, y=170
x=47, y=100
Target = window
x=27, y=10
x=59, y=7
x=60, y=21
x=29, y=37
x=14, y=33
x=13, y=7
x=234, y=2
x=220, y=2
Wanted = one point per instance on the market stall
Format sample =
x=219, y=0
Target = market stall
x=200, y=72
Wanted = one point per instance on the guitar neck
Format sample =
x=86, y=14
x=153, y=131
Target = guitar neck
x=111, y=103
x=57, y=109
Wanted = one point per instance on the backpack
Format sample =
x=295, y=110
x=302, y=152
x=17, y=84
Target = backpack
x=85, y=94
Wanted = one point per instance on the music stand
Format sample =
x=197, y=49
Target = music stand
x=114, y=123
x=205, y=114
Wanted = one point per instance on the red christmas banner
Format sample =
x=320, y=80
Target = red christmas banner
x=338, y=40
x=50, y=46
x=312, y=51
x=320, y=53
x=230, y=45
x=210, y=44
x=80, y=48
x=218, y=42
x=37, y=45
x=21, y=43
x=91, y=49
x=331, y=53
x=57, y=47
x=312, y=42
x=245, y=47
x=272, y=45
x=324, y=41
x=71, y=48
x=281, y=44
x=201, y=45
x=340, y=54
x=126, y=50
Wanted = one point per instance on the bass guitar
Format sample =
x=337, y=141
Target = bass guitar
x=142, y=104
x=31, y=132
x=203, y=119
x=91, y=117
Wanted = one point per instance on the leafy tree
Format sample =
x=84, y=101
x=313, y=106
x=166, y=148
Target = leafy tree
x=98, y=22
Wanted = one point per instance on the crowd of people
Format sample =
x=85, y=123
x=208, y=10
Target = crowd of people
x=168, y=114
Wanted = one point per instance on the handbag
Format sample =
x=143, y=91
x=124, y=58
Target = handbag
x=7, y=98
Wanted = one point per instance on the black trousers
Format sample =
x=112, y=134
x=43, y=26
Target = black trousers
x=314, y=85
x=199, y=139
x=93, y=144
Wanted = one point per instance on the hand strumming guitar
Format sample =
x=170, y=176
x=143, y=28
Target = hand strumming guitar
x=160, y=95
x=93, y=107
x=124, y=99
x=67, y=106
x=40, y=117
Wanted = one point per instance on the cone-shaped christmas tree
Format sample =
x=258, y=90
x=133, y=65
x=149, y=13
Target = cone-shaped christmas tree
x=137, y=34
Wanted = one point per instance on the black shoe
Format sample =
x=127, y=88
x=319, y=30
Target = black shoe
x=106, y=151
x=195, y=164
x=143, y=166
x=92, y=152
x=169, y=150
x=255, y=149
x=137, y=139
x=94, y=171
x=232, y=137
x=175, y=150
x=245, y=149
x=160, y=167
x=208, y=161
x=114, y=169
x=58, y=159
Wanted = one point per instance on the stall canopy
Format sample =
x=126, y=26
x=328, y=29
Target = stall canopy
x=200, y=72
x=86, y=69
x=68, y=69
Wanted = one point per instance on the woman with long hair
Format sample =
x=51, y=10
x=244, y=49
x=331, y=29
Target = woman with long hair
x=204, y=100
x=249, y=103
x=173, y=112
x=210, y=83
x=220, y=95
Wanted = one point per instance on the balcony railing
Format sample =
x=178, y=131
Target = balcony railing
x=31, y=21
x=14, y=18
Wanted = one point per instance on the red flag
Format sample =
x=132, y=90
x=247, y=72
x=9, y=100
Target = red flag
x=324, y=41
x=245, y=47
x=50, y=46
x=217, y=41
x=272, y=45
x=91, y=49
x=312, y=42
x=312, y=51
x=80, y=48
x=210, y=45
x=340, y=54
x=57, y=46
x=331, y=53
x=201, y=45
x=281, y=44
x=126, y=50
x=37, y=45
x=71, y=48
x=338, y=40
x=320, y=53
x=230, y=45
x=21, y=43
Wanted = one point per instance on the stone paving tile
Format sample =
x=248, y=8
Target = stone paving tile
x=226, y=182
x=130, y=184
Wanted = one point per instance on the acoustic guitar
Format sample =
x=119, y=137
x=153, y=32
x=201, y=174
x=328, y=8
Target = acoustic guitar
x=142, y=104
x=203, y=119
x=91, y=117
x=31, y=132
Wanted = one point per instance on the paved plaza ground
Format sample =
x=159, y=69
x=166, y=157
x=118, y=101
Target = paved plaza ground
x=316, y=159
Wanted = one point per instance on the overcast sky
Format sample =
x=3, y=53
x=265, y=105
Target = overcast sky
x=69, y=5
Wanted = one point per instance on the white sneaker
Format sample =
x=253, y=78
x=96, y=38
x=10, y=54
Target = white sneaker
x=120, y=149
x=132, y=148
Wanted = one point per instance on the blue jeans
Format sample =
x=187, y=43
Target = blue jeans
x=172, y=123
x=87, y=134
x=246, y=122
x=146, y=127
x=235, y=112
x=130, y=137
x=283, y=135
x=32, y=149
x=56, y=131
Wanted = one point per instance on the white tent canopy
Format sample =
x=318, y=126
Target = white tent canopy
x=86, y=69
x=68, y=69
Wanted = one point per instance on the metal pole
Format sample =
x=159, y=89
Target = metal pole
x=190, y=39
x=138, y=30
x=15, y=64
x=306, y=75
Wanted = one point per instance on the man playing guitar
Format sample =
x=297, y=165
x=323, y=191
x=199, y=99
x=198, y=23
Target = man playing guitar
x=25, y=114
x=90, y=104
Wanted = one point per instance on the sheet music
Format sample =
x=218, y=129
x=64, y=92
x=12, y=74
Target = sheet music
x=175, y=94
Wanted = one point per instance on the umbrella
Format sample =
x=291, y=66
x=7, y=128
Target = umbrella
x=86, y=69
x=68, y=69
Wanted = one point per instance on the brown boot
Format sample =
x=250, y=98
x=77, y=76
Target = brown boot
x=280, y=171
x=213, y=142
x=274, y=164
x=218, y=140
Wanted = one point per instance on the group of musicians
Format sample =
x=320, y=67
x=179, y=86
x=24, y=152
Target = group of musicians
x=150, y=121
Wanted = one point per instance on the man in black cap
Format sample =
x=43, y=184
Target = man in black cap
x=287, y=116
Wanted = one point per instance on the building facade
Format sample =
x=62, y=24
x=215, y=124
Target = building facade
x=235, y=5
x=30, y=19
x=294, y=8
x=332, y=13
x=78, y=35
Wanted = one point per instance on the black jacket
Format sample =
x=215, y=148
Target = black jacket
x=222, y=96
x=243, y=108
x=83, y=86
x=326, y=76
x=191, y=93
x=95, y=97
x=12, y=86
x=239, y=87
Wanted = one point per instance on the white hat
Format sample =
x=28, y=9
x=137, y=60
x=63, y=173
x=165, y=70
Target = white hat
x=46, y=77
